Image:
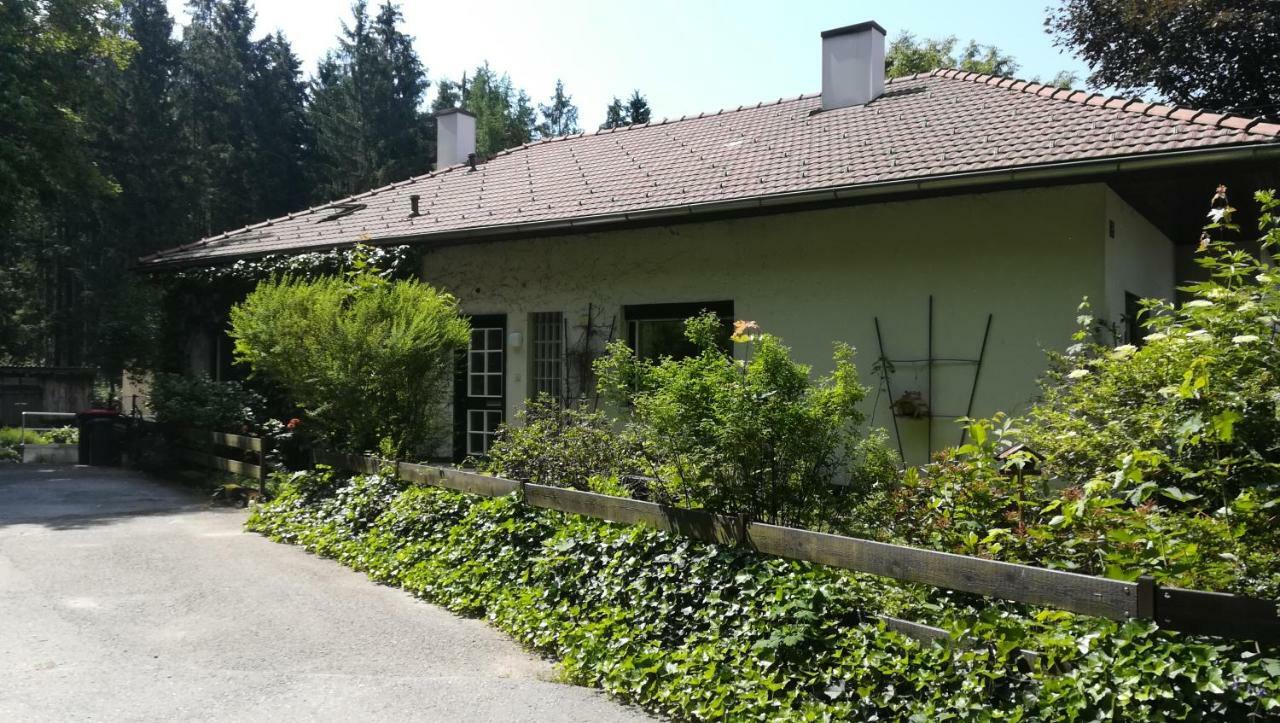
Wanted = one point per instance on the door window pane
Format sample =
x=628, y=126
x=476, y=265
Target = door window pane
x=484, y=363
x=482, y=425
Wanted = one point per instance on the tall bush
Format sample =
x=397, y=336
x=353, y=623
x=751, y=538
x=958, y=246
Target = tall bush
x=1165, y=457
x=1193, y=414
x=563, y=447
x=201, y=402
x=369, y=359
x=758, y=435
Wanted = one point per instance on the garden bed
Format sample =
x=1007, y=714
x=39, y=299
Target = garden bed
x=701, y=631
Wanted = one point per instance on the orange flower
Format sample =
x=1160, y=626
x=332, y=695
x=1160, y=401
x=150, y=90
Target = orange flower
x=744, y=331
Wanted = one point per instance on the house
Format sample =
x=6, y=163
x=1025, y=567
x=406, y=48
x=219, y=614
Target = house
x=950, y=222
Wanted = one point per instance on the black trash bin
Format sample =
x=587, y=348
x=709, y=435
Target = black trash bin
x=99, y=442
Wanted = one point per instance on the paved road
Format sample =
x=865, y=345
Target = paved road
x=125, y=599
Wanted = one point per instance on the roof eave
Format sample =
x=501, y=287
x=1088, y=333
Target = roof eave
x=778, y=201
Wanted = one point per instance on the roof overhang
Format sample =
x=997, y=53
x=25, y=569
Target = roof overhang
x=948, y=184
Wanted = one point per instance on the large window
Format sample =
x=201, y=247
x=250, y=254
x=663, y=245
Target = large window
x=547, y=358
x=657, y=330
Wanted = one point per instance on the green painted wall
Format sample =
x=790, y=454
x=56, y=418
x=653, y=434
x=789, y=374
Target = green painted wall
x=1027, y=257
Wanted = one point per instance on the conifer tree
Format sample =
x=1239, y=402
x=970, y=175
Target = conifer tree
x=615, y=115
x=505, y=118
x=366, y=110
x=282, y=128
x=560, y=116
x=637, y=108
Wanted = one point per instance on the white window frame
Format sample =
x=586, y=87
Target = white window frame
x=485, y=375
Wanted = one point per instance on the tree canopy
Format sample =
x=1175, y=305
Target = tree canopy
x=560, y=116
x=367, y=107
x=1218, y=54
x=629, y=112
x=908, y=55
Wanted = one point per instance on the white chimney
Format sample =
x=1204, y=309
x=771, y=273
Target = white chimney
x=455, y=136
x=852, y=65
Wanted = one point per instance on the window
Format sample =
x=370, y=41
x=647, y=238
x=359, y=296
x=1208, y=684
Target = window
x=482, y=425
x=484, y=363
x=547, y=357
x=657, y=330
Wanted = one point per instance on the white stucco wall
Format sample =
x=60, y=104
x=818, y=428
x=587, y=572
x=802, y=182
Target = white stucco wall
x=1139, y=258
x=1026, y=256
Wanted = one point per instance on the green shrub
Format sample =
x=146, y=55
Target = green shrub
x=963, y=502
x=14, y=436
x=63, y=435
x=757, y=436
x=704, y=632
x=562, y=447
x=1169, y=452
x=369, y=359
x=1192, y=415
x=200, y=402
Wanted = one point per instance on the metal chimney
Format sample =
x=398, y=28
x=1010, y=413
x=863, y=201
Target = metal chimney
x=455, y=137
x=852, y=65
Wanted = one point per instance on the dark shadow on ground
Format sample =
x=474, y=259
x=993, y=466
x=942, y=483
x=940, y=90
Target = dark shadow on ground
x=78, y=497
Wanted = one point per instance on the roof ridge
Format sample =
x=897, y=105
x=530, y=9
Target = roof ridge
x=705, y=114
x=1257, y=126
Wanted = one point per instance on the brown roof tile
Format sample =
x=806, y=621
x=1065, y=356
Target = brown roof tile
x=932, y=124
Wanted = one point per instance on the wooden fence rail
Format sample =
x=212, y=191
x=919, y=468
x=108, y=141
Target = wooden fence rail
x=1191, y=611
x=200, y=447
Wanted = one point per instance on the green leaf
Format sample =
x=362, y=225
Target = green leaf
x=1224, y=424
x=1174, y=493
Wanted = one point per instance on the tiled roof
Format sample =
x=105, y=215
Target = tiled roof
x=941, y=124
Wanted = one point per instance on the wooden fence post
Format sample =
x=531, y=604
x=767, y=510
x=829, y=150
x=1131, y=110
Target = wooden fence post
x=1146, y=602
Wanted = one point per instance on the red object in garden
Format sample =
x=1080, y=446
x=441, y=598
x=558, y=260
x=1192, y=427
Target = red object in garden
x=293, y=424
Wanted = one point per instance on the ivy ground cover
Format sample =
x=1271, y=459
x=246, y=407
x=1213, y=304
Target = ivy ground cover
x=704, y=632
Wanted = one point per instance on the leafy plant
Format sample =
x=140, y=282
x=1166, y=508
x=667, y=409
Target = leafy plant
x=562, y=447
x=62, y=435
x=757, y=435
x=198, y=401
x=14, y=436
x=704, y=632
x=1164, y=458
x=368, y=358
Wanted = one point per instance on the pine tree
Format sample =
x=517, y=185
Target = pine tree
x=140, y=139
x=505, y=118
x=366, y=109
x=448, y=94
x=560, y=116
x=140, y=147
x=214, y=98
x=281, y=127
x=637, y=108
x=615, y=116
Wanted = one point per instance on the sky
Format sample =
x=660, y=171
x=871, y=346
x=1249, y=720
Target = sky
x=686, y=57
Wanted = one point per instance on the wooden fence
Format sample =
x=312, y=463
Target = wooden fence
x=211, y=449
x=1190, y=611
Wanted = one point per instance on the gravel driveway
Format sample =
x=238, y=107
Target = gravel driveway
x=125, y=599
